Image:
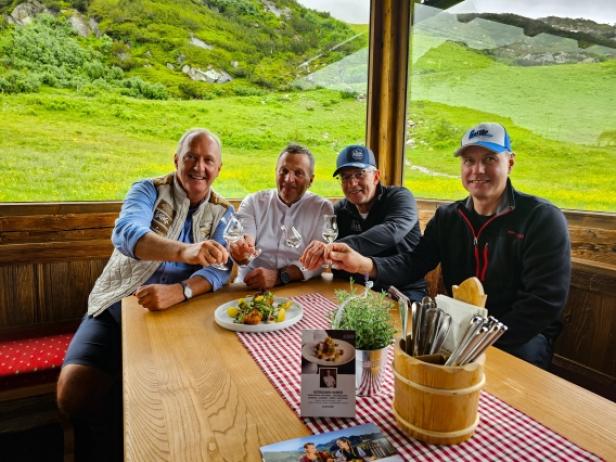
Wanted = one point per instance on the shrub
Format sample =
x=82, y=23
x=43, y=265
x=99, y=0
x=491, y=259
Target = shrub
x=191, y=90
x=16, y=82
x=138, y=88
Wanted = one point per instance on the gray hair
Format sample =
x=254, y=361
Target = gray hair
x=294, y=148
x=190, y=135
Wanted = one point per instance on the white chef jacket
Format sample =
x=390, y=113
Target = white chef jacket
x=263, y=213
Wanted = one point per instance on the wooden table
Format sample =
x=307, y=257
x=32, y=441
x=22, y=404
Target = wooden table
x=192, y=391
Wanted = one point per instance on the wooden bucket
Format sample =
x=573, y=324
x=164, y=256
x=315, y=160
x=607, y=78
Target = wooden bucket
x=434, y=403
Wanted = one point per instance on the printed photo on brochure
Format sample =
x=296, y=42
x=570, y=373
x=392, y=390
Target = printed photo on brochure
x=353, y=444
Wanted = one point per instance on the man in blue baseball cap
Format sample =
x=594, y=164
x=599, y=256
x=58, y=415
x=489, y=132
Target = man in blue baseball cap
x=373, y=219
x=516, y=244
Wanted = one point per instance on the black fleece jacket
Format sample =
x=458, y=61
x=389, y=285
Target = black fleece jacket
x=521, y=255
x=391, y=228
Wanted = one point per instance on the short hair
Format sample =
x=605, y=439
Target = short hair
x=308, y=444
x=188, y=137
x=294, y=148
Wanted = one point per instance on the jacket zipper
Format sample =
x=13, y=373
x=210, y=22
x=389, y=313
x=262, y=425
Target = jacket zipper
x=481, y=268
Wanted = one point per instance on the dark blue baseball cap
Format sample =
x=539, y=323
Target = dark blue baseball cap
x=356, y=156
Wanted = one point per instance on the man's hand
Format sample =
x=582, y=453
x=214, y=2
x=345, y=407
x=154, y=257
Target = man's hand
x=261, y=278
x=242, y=249
x=204, y=253
x=313, y=256
x=156, y=297
x=345, y=258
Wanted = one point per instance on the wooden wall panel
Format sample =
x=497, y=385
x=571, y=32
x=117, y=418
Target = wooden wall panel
x=588, y=334
x=66, y=289
x=18, y=296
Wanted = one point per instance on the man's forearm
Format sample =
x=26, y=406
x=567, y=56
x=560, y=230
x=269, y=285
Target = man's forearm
x=199, y=285
x=154, y=247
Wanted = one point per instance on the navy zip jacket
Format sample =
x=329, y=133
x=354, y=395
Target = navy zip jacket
x=391, y=228
x=521, y=255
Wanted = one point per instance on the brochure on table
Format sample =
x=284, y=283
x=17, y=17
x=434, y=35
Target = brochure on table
x=328, y=373
x=362, y=442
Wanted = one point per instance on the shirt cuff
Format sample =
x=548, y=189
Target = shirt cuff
x=217, y=278
x=307, y=274
x=126, y=244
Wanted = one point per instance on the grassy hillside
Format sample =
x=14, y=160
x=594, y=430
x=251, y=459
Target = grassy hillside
x=568, y=102
x=82, y=118
x=145, y=44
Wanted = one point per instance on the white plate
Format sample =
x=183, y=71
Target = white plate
x=293, y=315
x=347, y=353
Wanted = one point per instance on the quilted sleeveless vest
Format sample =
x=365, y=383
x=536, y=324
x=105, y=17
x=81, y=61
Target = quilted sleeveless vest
x=123, y=275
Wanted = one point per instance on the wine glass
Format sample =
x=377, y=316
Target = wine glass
x=234, y=230
x=233, y=233
x=330, y=232
x=292, y=238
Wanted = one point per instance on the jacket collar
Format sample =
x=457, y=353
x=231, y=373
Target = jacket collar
x=180, y=194
x=507, y=201
x=380, y=191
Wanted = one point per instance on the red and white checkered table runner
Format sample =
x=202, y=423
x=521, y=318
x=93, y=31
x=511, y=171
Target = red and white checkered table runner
x=503, y=433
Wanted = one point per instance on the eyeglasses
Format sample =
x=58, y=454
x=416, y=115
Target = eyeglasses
x=359, y=176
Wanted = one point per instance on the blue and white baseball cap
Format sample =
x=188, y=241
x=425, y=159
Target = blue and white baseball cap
x=489, y=135
x=355, y=155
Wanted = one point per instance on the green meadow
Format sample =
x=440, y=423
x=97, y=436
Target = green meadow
x=57, y=146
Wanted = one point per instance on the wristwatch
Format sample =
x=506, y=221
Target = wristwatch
x=187, y=290
x=284, y=276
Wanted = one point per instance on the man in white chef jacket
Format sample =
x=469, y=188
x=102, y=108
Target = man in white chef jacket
x=264, y=214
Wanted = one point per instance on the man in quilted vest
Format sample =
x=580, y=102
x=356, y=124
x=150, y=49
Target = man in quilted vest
x=166, y=239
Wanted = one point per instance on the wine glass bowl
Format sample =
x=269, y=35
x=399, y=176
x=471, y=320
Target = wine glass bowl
x=330, y=228
x=234, y=231
x=292, y=237
x=330, y=232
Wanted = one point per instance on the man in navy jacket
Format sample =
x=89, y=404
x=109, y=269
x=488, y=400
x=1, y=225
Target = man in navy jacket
x=374, y=220
x=516, y=244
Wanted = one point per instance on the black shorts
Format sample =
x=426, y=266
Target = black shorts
x=98, y=342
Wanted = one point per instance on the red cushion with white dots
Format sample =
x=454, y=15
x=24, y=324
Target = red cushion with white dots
x=32, y=361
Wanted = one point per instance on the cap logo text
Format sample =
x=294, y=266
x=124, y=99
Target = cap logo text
x=356, y=154
x=480, y=132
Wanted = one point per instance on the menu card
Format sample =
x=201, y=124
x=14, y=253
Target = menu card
x=328, y=373
x=359, y=443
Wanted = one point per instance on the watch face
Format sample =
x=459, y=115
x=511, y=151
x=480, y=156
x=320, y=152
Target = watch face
x=284, y=277
x=187, y=291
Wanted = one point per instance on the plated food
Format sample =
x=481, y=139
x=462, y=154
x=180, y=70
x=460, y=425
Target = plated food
x=259, y=308
x=261, y=312
x=328, y=350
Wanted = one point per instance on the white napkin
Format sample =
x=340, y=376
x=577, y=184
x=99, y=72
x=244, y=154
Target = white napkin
x=461, y=314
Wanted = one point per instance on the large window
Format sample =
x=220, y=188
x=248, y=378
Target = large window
x=546, y=70
x=95, y=94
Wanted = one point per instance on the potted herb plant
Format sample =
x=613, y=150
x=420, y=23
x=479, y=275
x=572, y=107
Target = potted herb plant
x=368, y=314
